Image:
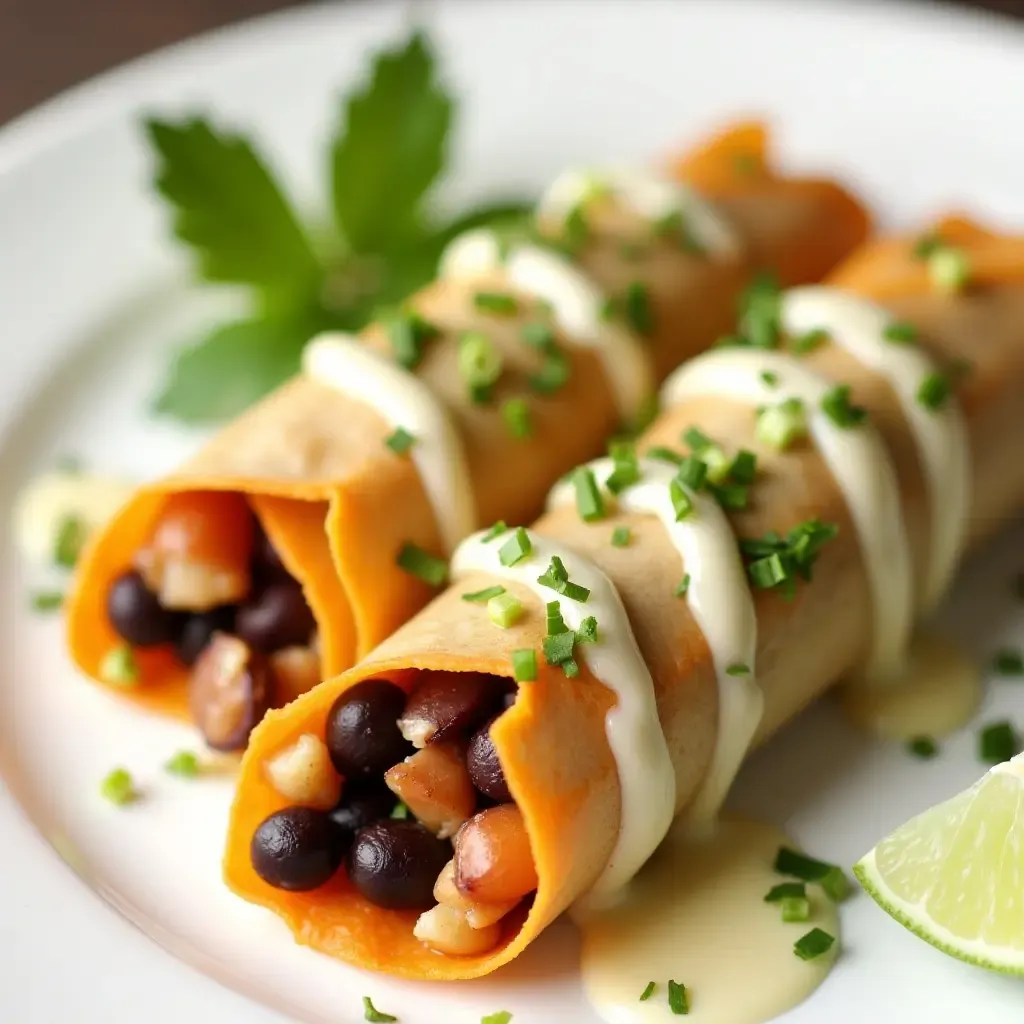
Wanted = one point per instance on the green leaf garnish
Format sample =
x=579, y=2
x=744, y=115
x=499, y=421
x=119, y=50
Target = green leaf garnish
x=372, y=1014
x=423, y=565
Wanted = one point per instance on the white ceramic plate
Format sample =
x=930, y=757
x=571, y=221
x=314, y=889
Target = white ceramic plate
x=918, y=106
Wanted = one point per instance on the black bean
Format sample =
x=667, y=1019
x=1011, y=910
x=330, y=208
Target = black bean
x=484, y=766
x=136, y=614
x=362, y=729
x=197, y=632
x=297, y=849
x=449, y=705
x=275, y=617
x=395, y=864
x=364, y=800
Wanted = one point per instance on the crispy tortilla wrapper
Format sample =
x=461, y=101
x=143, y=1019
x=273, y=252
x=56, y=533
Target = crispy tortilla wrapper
x=338, y=505
x=552, y=741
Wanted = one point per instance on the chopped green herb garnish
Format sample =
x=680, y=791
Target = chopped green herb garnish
x=760, y=309
x=738, y=669
x=539, y=335
x=555, y=622
x=495, y=531
x=923, y=747
x=796, y=909
x=692, y=472
x=648, y=992
x=637, y=307
x=118, y=787
x=998, y=742
x=498, y=303
x=926, y=245
x=556, y=577
x=71, y=537
x=830, y=877
x=769, y=571
x=553, y=374
x=516, y=548
x=589, y=503
x=570, y=668
x=626, y=471
x=743, y=467
x=575, y=230
x=558, y=647
x=949, y=269
x=681, y=501
x=480, y=364
x=840, y=410
x=587, y=633
x=118, y=667
x=409, y=334
x=808, y=341
x=663, y=454
x=501, y=1017
x=184, y=764
x=621, y=536
x=400, y=441
x=1008, y=662
x=483, y=596
x=400, y=812
x=423, y=565
x=732, y=497
x=786, y=891
x=813, y=944
x=524, y=665
x=371, y=1013
x=776, y=561
x=516, y=415
x=682, y=586
x=696, y=440
x=780, y=425
x=934, y=391
x=900, y=333
x=770, y=378
x=47, y=601
x=677, y=1000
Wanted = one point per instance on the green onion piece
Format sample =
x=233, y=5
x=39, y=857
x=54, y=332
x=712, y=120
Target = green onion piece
x=813, y=944
x=184, y=764
x=923, y=747
x=621, y=536
x=587, y=633
x=423, y=565
x=626, y=471
x=371, y=1013
x=934, y=391
x=516, y=548
x=998, y=742
x=743, y=467
x=805, y=541
x=575, y=230
x=71, y=537
x=760, y=547
x=516, y=415
x=718, y=463
x=692, y=472
x=769, y=572
x=47, y=601
x=796, y=909
x=696, y=439
x=674, y=227
x=648, y=992
x=949, y=269
x=837, y=407
x=118, y=667
x=638, y=310
x=663, y=454
x=555, y=622
x=808, y=341
x=926, y=245
x=500, y=1017
x=738, y=669
x=409, y=334
x=829, y=876
x=538, y=335
x=553, y=374
x=780, y=425
x=556, y=572
x=900, y=333
x=760, y=309
x=677, y=1001
x=1008, y=662
x=682, y=586
x=609, y=309
x=498, y=303
x=786, y=891
x=479, y=363
x=505, y=610
x=400, y=441
x=558, y=648
x=496, y=530
x=118, y=787
x=731, y=497
x=575, y=592
x=400, y=812
x=770, y=379
x=589, y=503
x=681, y=501
x=483, y=596
x=524, y=665
x=570, y=668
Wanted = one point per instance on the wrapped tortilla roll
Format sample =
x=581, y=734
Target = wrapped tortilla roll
x=577, y=780
x=360, y=473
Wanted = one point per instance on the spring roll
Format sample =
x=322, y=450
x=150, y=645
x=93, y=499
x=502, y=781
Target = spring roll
x=536, y=778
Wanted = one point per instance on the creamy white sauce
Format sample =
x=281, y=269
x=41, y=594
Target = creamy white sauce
x=696, y=914
x=859, y=462
x=858, y=326
x=720, y=600
x=648, y=194
x=48, y=501
x=646, y=775
x=576, y=305
x=342, y=362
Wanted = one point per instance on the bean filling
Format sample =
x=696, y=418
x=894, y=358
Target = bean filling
x=209, y=585
x=425, y=818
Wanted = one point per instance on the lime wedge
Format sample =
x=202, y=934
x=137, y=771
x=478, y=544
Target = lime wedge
x=954, y=875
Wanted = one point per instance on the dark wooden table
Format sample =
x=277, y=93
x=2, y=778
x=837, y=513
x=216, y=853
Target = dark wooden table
x=48, y=45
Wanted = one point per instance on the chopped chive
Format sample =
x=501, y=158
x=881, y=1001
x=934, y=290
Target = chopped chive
x=648, y=992
x=840, y=410
x=998, y=742
x=829, y=876
x=1008, y=662
x=589, y=503
x=118, y=667
x=621, y=536
x=769, y=571
x=555, y=622
x=524, y=665
x=738, y=669
x=400, y=812
x=663, y=454
x=732, y=497
x=553, y=374
x=696, y=439
x=483, y=596
x=609, y=309
x=626, y=471
x=575, y=592
x=538, y=335
x=923, y=747
x=556, y=573
x=516, y=415
x=47, y=601
x=587, y=633
x=949, y=269
x=780, y=425
x=118, y=787
x=717, y=461
x=638, y=310
x=769, y=378
x=682, y=586
x=808, y=341
x=372, y=1014
x=495, y=531
x=575, y=230
x=184, y=764
x=480, y=364
x=796, y=909
x=500, y=1017
x=677, y=1000
x=681, y=501
x=813, y=944
x=409, y=334
x=926, y=245
x=516, y=548
x=400, y=440
x=498, y=303
x=933, y=392
x=558, y=647
x=760, y=309
x=570, y=668
x=785, y=891
x=900, y=333
x=692, y=472
x=423, y=565
x=743, y=467
x=71, y=537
